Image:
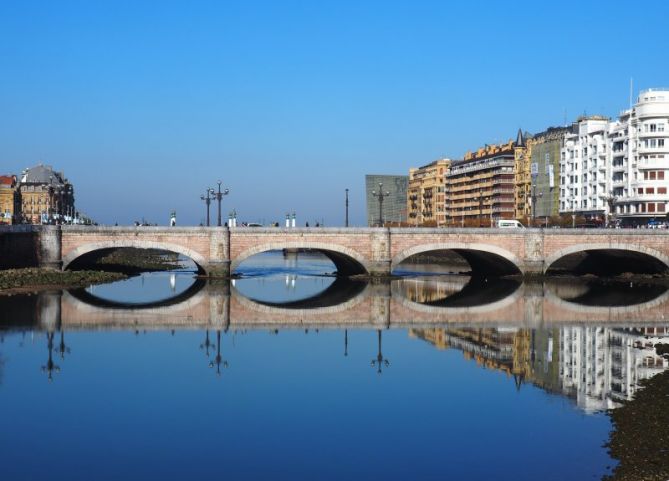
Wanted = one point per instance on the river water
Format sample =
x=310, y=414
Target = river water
x=289, y=373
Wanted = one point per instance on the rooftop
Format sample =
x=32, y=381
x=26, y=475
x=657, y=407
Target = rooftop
x=42, y=174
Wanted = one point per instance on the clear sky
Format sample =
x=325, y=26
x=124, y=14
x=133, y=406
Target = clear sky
x=145, y=104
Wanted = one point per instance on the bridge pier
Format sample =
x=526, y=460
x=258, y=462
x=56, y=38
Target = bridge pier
x=381, y=261
x=50, y=247
x=217, y=269
x=533, y=268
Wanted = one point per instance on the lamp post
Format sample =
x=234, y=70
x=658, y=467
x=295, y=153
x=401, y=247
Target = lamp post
x=218, y=196
x=534, y=202
x=380, y=196
x=206, y=344
x=346, y=219
x=380, y=362
x=207, y=200
x=50, y=366
x=218, y=359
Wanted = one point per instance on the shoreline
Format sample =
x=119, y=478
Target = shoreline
x=33, y=279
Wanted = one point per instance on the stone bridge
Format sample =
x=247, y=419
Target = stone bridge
x=218, y=251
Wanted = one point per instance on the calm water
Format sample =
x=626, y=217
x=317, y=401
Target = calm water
x=288, y=373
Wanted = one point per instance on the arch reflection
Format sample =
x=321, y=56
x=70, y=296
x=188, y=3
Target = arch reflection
x=340, y=291
x=455, y=291
x=605, y=294
x=91, y=299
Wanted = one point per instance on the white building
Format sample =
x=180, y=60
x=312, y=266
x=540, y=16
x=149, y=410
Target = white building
x=643, y=132
x=620, y=165
x=585, y=174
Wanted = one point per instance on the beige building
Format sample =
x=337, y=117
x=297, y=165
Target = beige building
x=8, y=199
x=47, y=197
x=480, y=188
x=425, y=199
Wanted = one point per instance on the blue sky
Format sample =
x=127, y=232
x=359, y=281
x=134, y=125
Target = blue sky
x=145, y=104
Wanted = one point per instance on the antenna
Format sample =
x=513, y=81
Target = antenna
x=565, y=117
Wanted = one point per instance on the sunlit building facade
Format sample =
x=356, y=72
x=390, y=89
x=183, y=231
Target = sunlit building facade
x=8, y=199
x=47, y=197
x=425, y=201
x=480, y=188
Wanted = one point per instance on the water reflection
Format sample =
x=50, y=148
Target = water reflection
x=597, y=367
x=456, y=290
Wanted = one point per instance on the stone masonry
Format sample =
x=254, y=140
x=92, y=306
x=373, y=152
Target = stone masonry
x=376, y=251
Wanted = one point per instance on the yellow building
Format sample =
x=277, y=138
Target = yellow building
x=8, y=199
x=480, y=189
x=523, y=178
x=47, y=197
x=425, y=199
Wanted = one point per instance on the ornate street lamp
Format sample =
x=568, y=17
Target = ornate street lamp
x=218, y=360
x=381, y=195
x=207, y=200
x=206, y=344
x=218, y=196
x=380, y=362
x=50, y=365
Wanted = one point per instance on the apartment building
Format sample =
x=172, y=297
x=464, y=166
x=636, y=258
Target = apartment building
x=425, y=200
x=479, y=190
x=640, y=164
x=619, y=168
x=585, y=169
x=8, y=199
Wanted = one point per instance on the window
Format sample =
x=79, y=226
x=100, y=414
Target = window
x=650, y=190
x=660, y=127
x=661, y=190
x=640, y=190
x=651, y=207
x=660, y=142
x=653, y=127
x=660, y=207
x=660, y=175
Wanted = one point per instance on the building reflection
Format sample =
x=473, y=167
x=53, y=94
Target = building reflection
x=597, y=367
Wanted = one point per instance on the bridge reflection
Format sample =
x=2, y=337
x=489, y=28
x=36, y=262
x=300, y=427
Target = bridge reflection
x=401, y=303
x=567, y=338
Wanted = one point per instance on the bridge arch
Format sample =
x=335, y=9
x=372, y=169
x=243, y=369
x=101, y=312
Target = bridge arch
x=346, y=260
x=601, y=247
x=482, y=258
x=88, y=248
